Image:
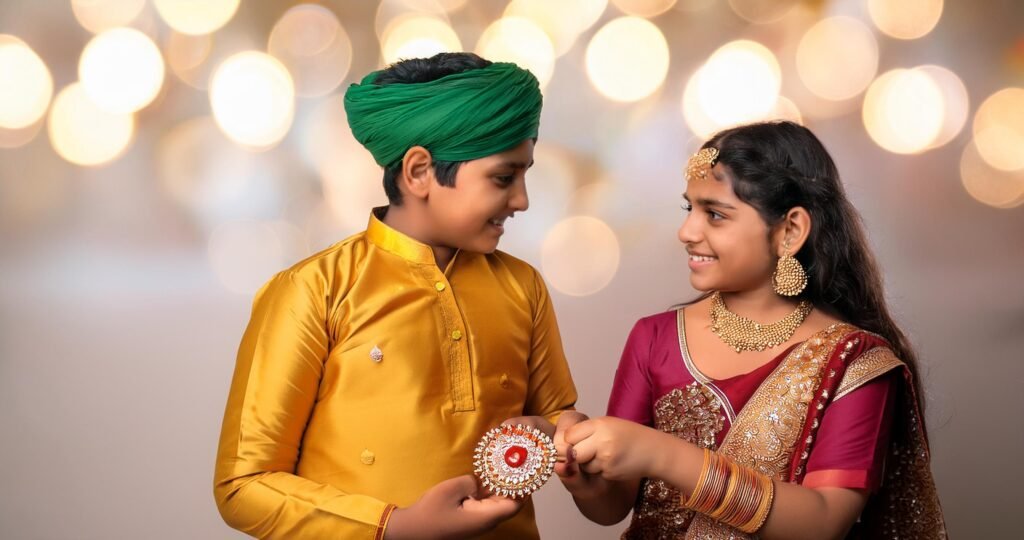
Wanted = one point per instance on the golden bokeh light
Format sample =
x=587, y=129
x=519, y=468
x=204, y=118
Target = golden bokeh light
x=738, y=84
x=253, y=99
x=14, y=138
x=389, y=12
x=837, y=58
x=904, y=111
x=196, y=16
x=762, y=11
x=26, y=86
x=954, y=99
x=989, y=185
x=627, y=59
x=905, y=19
x=83, y=133
x=580, y=255
x=187, y=56
x=644, y=8
x=121, y=70
x=519, y=40
x=562, y=21
x=999, y=129
x=100, y=15
x=785, y=109
x=312, y=44
x=417, y=36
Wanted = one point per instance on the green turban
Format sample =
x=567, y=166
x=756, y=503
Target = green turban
x=459, y=117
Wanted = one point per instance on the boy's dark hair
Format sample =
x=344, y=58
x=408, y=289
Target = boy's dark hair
x=420, y=70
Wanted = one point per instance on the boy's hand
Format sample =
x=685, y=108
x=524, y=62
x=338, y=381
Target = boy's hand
x=580, y=484
x=450, y=509
x=538, y=422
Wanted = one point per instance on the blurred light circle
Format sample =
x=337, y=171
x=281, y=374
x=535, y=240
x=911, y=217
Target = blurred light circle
x=311, y=43
x=389, y=12
x=999, y=129
x=696, y=118
x=739, y=83
x=245, y=254
x=416, y=36
x=253, y=99
x=83, y=133
x=905, y=19
x=550, y=184
x=837, y=58
x=14, y=138
x=121, y=70
x=904, y=111
x=25, y=87
x=955, y=99
x=762, y=11
x=785, y=109
x=693, y=5
x=989, y=185
x=644, y=8
x=215, y=179
x=519, y=40
x=196, y=16
x=187, y=56
x=580, y=255
x=99, y=15
x=563, y=21
x=627, y=59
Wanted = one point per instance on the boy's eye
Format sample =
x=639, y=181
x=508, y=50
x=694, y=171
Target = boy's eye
x=686, y=206
x=505, y=179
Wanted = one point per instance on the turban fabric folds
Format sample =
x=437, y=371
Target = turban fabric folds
x=459, y=117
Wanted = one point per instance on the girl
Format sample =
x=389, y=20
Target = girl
x=782, y=402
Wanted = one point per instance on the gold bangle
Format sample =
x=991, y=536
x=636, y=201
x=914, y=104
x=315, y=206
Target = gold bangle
x=741, y=499
x=729, y=500
x=763, y=509
x=698, y=488
x=718, y=482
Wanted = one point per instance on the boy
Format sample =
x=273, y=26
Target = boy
x=369, y=371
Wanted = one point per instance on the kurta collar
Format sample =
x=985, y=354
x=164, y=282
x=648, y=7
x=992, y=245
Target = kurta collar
x=388, y=239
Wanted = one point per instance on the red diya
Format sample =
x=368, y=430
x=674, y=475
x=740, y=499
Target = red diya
x=514, y=461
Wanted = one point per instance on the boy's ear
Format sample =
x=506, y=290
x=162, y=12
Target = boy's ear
x=417, y=172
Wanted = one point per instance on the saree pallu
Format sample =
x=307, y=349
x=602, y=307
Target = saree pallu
x=775, y=430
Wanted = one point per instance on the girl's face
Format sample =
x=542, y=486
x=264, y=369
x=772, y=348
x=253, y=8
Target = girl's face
x=726, y=238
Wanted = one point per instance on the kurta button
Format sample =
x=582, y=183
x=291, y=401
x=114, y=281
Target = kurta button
x=457, y=335
x=439, y=286
x=503, y=381
x=367, y=457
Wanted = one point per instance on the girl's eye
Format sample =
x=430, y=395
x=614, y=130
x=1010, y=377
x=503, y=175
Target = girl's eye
x=714, y=215
x=686, y=206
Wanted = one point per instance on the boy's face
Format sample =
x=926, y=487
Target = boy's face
x=472, y=214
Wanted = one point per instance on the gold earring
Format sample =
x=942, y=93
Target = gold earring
x=789, y=278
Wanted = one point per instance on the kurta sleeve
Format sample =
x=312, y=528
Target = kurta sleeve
x=273, y=391
x=550, y=390
x=631, y=396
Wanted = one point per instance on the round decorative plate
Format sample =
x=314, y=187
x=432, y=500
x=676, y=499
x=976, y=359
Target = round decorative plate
x=514, y=461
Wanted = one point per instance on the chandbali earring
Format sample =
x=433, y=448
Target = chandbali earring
x=789, y=278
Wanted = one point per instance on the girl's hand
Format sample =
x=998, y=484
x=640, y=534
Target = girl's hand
x=616, y=449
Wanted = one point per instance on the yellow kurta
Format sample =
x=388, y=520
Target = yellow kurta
x=367, y=375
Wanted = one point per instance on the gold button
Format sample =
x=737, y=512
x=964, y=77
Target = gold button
x=367, y=457
x=503, y=381
x=457, y=335
x=439, y=286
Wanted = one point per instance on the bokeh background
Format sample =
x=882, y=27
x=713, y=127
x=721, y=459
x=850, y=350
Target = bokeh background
x=160, y=159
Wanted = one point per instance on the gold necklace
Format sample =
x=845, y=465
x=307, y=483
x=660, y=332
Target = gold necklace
x=743, y=334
